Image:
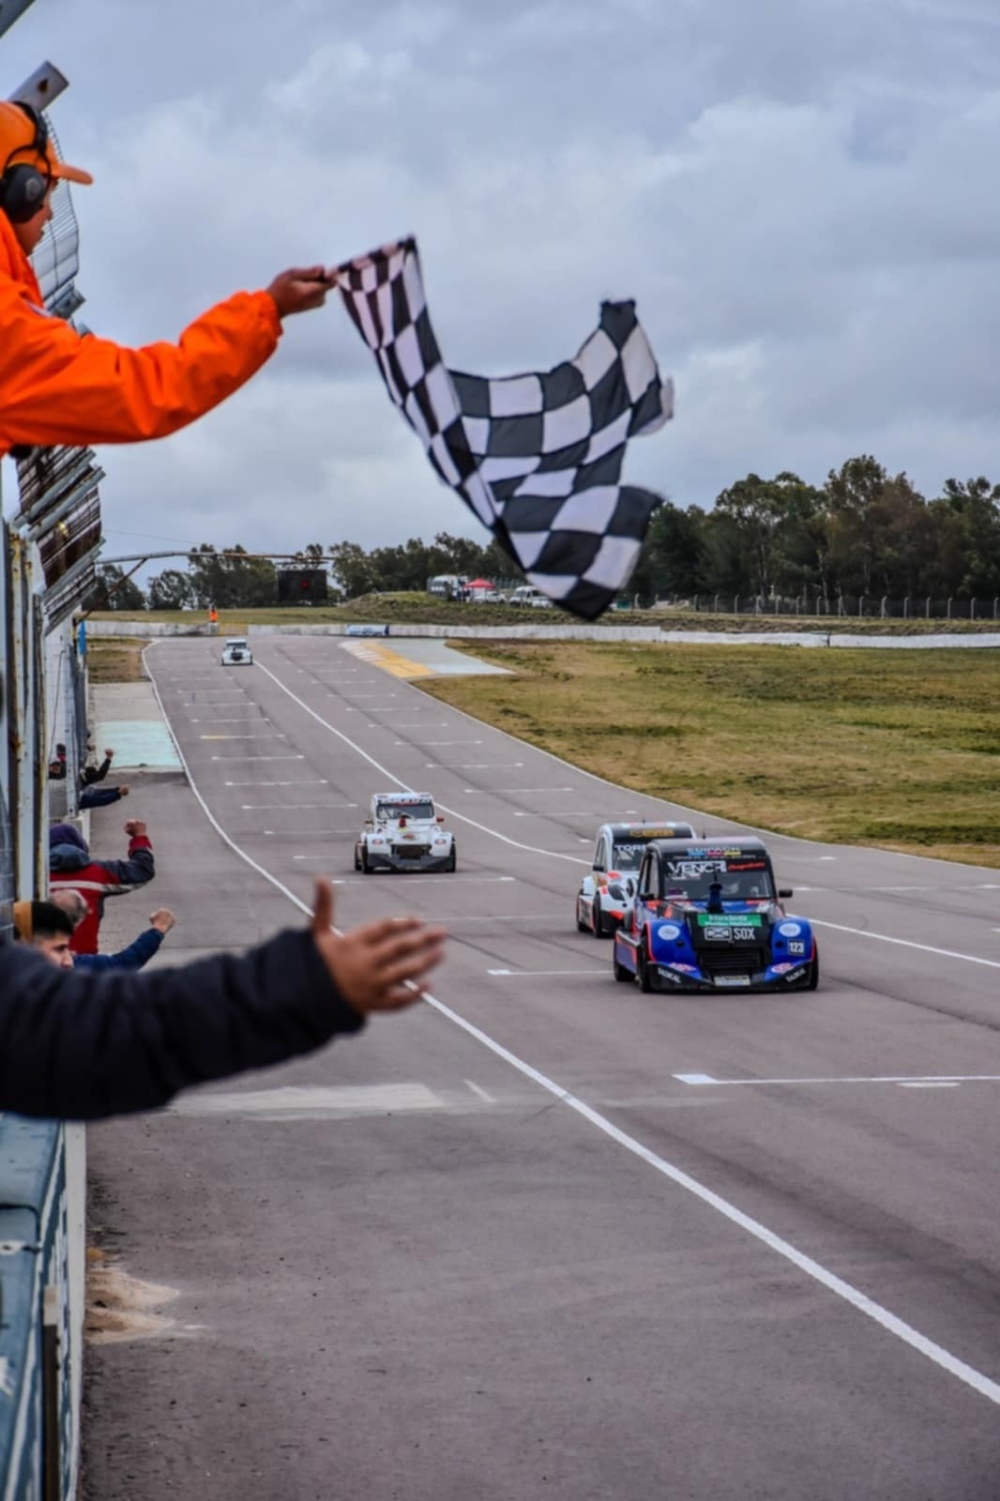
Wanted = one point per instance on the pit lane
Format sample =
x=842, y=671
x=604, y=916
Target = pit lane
x=501, y=1261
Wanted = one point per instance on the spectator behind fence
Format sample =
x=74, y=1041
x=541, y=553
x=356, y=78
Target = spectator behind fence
x=85, y=1046
x=47, y=928
x=71, y=864
x=91, y=774
x=101, y=797
x=60, y=386
x=139, y=951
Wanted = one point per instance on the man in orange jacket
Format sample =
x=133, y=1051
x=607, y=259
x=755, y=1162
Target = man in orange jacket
x=58, y=387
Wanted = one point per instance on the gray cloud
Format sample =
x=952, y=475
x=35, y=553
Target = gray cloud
x=799, y=196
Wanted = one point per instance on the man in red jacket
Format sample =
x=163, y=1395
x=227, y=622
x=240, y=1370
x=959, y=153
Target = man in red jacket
x=58, y=386
x=72, y=865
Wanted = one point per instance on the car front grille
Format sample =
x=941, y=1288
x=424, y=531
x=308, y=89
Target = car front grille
x=411, y=851
x=732, y=961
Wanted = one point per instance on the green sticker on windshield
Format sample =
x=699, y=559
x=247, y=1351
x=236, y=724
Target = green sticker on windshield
x=729, y=919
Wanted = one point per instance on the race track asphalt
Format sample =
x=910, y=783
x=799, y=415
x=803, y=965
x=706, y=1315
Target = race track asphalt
x=500, y=1247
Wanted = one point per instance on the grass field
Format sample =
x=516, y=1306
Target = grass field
x=115, y=659
x=420, y=609
x=898, y=749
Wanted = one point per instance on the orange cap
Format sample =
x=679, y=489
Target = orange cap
x=17, y=147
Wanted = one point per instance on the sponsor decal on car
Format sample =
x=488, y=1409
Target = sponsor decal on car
x=667, y=931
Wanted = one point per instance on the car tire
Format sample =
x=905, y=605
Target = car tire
x=622, y=975
x=365, y=865
x=357, y=859
x=644, y=977
x=597, y=927
x=452, y=864
x=581, y=927
x=812, y=980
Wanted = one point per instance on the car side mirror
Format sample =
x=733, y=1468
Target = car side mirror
x=440, y=818
x=630, y=886
x=369, y=822
x=785, y=891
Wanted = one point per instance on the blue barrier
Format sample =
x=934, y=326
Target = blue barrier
x=37, y=1423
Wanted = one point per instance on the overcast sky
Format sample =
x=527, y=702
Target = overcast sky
x=800, y=195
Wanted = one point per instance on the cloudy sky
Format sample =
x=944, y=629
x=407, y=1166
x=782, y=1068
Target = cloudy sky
x=801, y=195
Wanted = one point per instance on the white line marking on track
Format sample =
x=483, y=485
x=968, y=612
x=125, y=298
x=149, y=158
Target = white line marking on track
x=477, y=1089
x=521, y=974
x=258, y=758
x=289, y=807
x=321, y=783
x=906, y=943
x=860, y=1301
x=927, y=1084
x=915, y=1079
x=490, y=791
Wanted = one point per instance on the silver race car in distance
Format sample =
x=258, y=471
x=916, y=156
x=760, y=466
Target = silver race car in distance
x=403, y=832
x=236, y=652
x=607, y=892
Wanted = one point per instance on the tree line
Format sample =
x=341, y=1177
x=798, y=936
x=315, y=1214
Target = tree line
x=863, y=535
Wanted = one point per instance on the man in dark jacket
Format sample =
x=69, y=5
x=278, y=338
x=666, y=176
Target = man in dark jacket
x=136, y=955
x=71, y=864
x=86, y=1046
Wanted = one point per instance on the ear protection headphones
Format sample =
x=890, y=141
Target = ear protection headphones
x=23, y=187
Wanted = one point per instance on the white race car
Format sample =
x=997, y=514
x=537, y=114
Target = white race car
x=606, y=894
x=236, y=652
x=403, y=832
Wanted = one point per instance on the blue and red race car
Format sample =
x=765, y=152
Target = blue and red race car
x=708, y=917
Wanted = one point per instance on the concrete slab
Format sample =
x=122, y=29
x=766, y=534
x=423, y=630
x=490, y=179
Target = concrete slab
x=128, y=717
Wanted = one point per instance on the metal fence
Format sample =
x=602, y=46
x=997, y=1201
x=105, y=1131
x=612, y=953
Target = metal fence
x=838, y=606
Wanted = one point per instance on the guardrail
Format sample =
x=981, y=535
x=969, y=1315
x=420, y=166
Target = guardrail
x=39, y=1359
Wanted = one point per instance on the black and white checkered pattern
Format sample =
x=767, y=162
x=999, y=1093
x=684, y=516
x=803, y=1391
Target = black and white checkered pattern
x=538, y=458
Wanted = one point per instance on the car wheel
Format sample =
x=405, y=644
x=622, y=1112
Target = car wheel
x=365, y=865
x=645, y=978
x=596, y=920
x=357, y=859
x=453, y=859
x=813, y=978
x=622, y=975
x=581, y=927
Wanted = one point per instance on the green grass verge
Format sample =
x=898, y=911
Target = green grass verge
x=115, y=659
x=421, y=609
x=896, y=749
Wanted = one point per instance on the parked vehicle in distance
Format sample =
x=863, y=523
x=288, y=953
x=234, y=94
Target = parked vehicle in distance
x=448, y=586
x=403, y=832
x=606, y=893
x=236, y=652
x=708, y=916
x=527, y=595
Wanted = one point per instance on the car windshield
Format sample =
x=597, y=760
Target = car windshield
x=627, y=856
x=742, y=879
x=406, y=810
x=237, y=641
x=627, y=852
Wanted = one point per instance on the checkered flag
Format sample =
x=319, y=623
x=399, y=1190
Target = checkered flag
x=538, y=458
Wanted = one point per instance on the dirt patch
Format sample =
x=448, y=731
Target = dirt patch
x=120, y=1307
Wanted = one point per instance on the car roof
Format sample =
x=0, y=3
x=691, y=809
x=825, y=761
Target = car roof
x=717, y=845
x=236, y=640
x=647, y=829
x=403, y=797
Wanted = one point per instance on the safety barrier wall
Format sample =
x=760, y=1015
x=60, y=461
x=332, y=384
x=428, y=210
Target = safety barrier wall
x=39, y=1358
